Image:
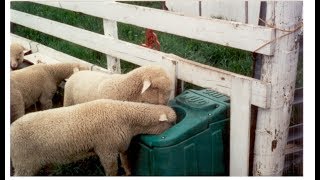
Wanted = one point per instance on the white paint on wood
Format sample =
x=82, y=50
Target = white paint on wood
x=110, y=28
x=38, y=58
x=55, y=56
x=190, y=71
x=170, y=65
x=219, y=80
x=189, y=8
x=24, y=42
x=240, y=127
x=227, y=33
x=254, y=12
x=221, y=9
x=280, y=70
x=224, y=9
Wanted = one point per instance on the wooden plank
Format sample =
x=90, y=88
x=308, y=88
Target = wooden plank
x=220, y=80
x=227, y=33
x=108, y=45
x=280, y=70
x=233, y=10
x=189, y=8
x=38, y=58
x=240, y=127
x=110, y=28
x=187, y=70
x=253, y=12
x=224, y=9
x=42, y=50
x=24, y=42
x=170, y=64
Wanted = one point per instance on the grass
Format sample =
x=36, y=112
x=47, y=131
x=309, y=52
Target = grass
x=233, y=60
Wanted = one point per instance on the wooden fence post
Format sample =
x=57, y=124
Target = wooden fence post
x=240, y=127
x=280, y=70
x=110, y=28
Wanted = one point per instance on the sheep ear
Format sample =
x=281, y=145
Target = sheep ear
x=25, y=51
x=163, y=117
x=146, y=85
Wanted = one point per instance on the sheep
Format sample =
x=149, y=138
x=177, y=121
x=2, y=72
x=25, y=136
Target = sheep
x=104, y=127
x=16, y=55
x=37, y=82
x=150, y=84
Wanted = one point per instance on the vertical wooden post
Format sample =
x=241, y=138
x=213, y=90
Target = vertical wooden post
x=240, y=127
x=110, y=28
x=171, y=65
x=280, y=70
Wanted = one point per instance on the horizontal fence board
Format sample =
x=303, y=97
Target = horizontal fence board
x=232, y=34
x=41, y=52
x=202, y=75
x=220, y=80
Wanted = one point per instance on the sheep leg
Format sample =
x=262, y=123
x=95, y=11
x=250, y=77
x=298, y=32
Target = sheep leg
x=125, y=163
x=46, y=101
x=109, y=162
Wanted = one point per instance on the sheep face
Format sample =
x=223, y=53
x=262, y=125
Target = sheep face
x=155, y=96
x=156, y=90
x=165, y=118
x=16, y=55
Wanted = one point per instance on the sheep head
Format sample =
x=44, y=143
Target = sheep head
x=156, y=86
x=16, y=55
x=163, y=119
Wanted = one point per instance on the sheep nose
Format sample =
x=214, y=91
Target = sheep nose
x=14, y=66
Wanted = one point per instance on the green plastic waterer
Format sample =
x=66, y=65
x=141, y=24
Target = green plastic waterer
x=197, y=145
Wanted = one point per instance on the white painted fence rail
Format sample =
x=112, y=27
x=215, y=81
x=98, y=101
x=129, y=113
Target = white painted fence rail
x=228, y=33
x=203, y=75
x=48, y=55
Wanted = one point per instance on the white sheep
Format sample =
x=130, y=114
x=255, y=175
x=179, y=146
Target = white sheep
x=16, y=55
x=149, y=84
x=37, y=83
x=104, y=127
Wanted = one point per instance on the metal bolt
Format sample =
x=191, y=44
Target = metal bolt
x=163, y=137
x=209, y=114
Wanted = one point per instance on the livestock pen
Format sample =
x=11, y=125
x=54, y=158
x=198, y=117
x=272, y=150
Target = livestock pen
x=272, y=93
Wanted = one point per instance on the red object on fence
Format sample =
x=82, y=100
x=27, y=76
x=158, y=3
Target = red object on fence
x=151, y=40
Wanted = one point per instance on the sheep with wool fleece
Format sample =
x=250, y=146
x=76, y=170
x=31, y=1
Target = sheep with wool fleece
x=38, y=83
x=150, y=84
x=62, y=135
